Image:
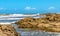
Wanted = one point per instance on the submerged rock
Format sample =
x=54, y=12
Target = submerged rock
x=8, y=30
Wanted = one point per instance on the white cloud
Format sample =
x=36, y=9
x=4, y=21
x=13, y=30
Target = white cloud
x=51, y=8
x=15, y=8
x=27, y=8
x=30, y=8
x=34, y=8
x=3, y=8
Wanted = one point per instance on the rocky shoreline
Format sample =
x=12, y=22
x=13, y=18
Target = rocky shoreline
x=8, y=30
x=48, y=23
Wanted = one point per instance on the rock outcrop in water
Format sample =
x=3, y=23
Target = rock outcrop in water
x=8, y=30
x=50, y=23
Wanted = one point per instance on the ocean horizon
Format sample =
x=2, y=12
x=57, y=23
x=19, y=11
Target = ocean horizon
x=28, y=12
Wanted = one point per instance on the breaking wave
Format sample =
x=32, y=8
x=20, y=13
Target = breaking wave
x=11, y=18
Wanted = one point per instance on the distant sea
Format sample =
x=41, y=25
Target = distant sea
x=25, y=12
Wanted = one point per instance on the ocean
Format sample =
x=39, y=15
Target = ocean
x=12, y=18
x=15, y=17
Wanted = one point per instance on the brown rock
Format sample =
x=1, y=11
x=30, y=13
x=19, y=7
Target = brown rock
x=51, y=23
x=7, y=30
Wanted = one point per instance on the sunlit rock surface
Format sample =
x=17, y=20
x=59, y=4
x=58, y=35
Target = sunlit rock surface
x=8, y=30
x=49, y=23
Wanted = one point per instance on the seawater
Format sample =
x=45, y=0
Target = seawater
x=23, y=32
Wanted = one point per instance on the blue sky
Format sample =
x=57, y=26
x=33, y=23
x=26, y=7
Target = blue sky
x=30, y=4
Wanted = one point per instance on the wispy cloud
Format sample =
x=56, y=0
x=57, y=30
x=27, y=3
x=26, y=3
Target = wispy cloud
x=34, y=8
x=51, y=8
x=29, y=8
x=15, y=8
x=3, y=8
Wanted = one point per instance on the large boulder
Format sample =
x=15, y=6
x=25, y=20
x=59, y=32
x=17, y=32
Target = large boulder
x=8, y=30
x=27, y=22
x=51, y=23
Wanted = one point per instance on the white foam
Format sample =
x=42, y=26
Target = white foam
x=7, y=22
x=19, y=15
x=8, y=17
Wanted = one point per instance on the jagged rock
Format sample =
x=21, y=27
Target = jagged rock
x=51, y=23
x=27, y=22
x=8, y=30
x=53, y=17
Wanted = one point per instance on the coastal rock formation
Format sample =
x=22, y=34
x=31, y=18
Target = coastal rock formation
x=27, y=22
x=51, y=23
x=8, y=30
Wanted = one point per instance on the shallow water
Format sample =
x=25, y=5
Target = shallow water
x=34, y=33
x=26, y=32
